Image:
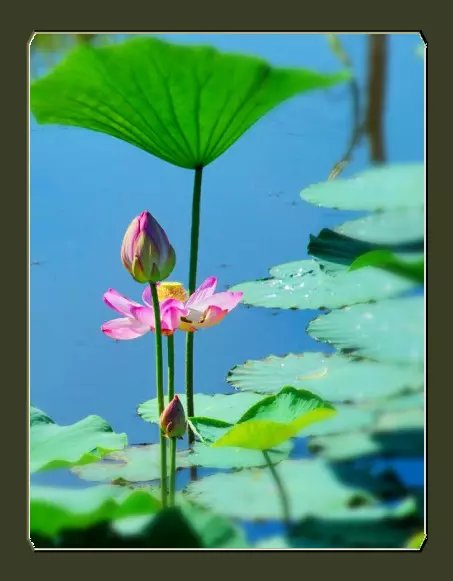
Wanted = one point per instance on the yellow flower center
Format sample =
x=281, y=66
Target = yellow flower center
x=171, y=290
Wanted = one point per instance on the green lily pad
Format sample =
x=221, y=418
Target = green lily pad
x=184, y=104
x=307, y=285
x=134, y=464
x=391, y=330
x=54, y=446
x=335, y=377
x=395, y=227
x=229, y=407
x=381, y=188
x=55, y=509
x=312, y=487
x=352, y=445
x=237, y=458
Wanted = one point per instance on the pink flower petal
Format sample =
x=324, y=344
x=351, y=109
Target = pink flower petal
x=225, y=300
x=205, y=290
x=144, y=316
x=146, y=296
x=124, y=329
x=171, y=311
x=119, y=302
x=212, y=316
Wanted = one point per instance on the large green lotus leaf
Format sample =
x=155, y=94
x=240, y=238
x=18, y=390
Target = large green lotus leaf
x=134, y=464
x=381, y=188
x=335, y=377
x=390, y=330
x=312, y=487
x=229, y=407
x=184, y=104
x=268, y=423
x=54, y=446
x=237, y=458
x=275, y=419
x=393, y=227
x=307, y=285
x=54, y=509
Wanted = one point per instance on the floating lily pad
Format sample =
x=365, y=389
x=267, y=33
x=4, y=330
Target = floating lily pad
x=381, y=188
x=402, y=441
x=134, y=464
x=312, y=487
x=184, y=104
x=229, y=407
x=54, y=509
x=223, y=458
x=54, y=446
x=334, y=377
x=390, y=330
x=395, y=227
x=307, y=285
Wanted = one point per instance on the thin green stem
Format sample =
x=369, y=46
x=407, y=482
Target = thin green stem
x=171, y=497
x=281, y=490
x=171, y=393
x=160, y=392
x=194, y=236
x=171, y=367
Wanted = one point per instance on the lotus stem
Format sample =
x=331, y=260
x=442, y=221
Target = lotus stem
x=194, y=236
x=281, y=491
x=160, y=393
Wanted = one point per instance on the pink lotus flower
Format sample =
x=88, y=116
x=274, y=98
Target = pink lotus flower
x=131, y=327
x=204, y=307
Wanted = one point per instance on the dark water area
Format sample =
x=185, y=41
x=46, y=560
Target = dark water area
x=87, y=186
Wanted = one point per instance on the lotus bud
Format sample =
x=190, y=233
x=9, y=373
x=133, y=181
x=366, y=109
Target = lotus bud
x=173, y=419
x=146, y=252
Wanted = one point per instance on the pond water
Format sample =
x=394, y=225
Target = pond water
x=86, y=187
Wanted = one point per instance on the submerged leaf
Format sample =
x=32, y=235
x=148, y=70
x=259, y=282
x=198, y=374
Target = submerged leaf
x=184, y=104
